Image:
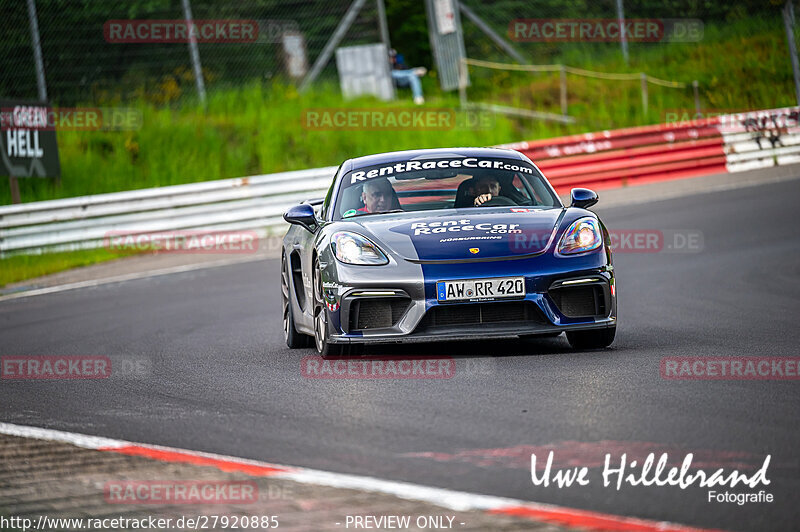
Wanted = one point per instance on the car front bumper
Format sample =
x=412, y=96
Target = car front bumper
x=364, y=306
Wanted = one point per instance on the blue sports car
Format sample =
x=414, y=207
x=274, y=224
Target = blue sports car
x=445, y=244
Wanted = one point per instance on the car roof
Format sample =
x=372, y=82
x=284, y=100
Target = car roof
x=395, y=156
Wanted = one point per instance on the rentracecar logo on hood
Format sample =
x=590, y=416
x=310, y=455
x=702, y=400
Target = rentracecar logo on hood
x=495, y=234
x=462, y=225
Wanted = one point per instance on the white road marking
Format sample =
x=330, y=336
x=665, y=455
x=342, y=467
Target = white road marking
x=80, y=440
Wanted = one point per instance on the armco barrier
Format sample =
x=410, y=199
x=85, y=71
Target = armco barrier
x=729, y=143
x=248, y=203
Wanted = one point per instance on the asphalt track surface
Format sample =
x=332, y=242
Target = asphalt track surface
x=221, y=380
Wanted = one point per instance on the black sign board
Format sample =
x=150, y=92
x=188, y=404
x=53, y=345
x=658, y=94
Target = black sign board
x=28, y=146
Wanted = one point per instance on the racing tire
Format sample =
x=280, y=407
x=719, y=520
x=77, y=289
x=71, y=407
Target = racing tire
x=593, y=339
x=325, y=349
x=294, y=339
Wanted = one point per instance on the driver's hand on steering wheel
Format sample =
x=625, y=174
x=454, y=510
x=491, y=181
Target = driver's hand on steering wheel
x=483, y=198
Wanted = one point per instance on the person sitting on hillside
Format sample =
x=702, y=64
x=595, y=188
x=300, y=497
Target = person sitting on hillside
x=405, y=77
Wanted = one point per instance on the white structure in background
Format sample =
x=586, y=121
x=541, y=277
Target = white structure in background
x=445, y=16
x=365, y=70
x=294, y=54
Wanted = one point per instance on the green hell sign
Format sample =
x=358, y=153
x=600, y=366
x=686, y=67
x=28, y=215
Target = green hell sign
x=28, y=146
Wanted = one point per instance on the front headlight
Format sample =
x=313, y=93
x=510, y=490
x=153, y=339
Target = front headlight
x=352, y=248
x=582, y=236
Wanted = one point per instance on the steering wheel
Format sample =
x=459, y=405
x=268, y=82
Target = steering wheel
x=499, y=201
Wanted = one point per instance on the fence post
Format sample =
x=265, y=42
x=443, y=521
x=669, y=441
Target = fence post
x=643, y=77
x=333, y=42
x=499, y=41
x=696, y=89
x=383, y=25
x=462, y=82
x=14, y=184
x=623, y=40
x=788, y=23
x=37, y=51
x=563, y=76
x=194, y=53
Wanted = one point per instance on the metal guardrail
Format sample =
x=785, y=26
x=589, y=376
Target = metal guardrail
x=250, y=203
x=609, y=158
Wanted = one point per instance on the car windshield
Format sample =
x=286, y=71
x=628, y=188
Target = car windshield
x=444, y=183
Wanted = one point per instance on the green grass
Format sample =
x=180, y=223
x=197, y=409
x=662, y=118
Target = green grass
x=21, y=267
x=740, y=66
x=251, y=130
x=258, y=128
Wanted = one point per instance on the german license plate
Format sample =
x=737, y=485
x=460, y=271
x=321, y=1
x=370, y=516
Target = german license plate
x=471, y=289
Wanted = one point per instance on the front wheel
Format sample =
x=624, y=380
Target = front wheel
x=294, y=339
x=593, y=339
x=324, y=347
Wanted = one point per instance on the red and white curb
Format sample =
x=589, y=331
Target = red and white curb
x=453, y=500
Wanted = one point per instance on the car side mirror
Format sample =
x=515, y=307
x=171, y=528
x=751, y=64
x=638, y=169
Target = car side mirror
x=583, y=197
x=303, y=215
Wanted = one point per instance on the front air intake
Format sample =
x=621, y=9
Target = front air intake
x=580, y=301
x=377, y=313
x=481, y=313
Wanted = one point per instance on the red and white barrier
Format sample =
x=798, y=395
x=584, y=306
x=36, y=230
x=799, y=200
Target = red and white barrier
x=727, y=143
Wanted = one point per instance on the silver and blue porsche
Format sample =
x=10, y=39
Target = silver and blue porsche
x=445, y=244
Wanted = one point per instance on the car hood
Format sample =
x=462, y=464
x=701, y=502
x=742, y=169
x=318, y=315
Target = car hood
x=465, y=234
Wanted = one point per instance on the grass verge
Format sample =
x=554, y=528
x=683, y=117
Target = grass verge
x=21, y=267
x=260, y=128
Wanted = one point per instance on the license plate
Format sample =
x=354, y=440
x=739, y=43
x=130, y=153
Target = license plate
x=480, y=289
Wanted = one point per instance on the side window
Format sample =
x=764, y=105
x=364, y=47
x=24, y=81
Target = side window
x=326, y=205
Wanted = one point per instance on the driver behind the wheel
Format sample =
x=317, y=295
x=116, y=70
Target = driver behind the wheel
x=485, y=188
x=377, y=196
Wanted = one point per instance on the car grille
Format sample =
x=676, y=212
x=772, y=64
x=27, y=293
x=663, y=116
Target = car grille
x=580, y=301
x=480, y=313
x=377, y=313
